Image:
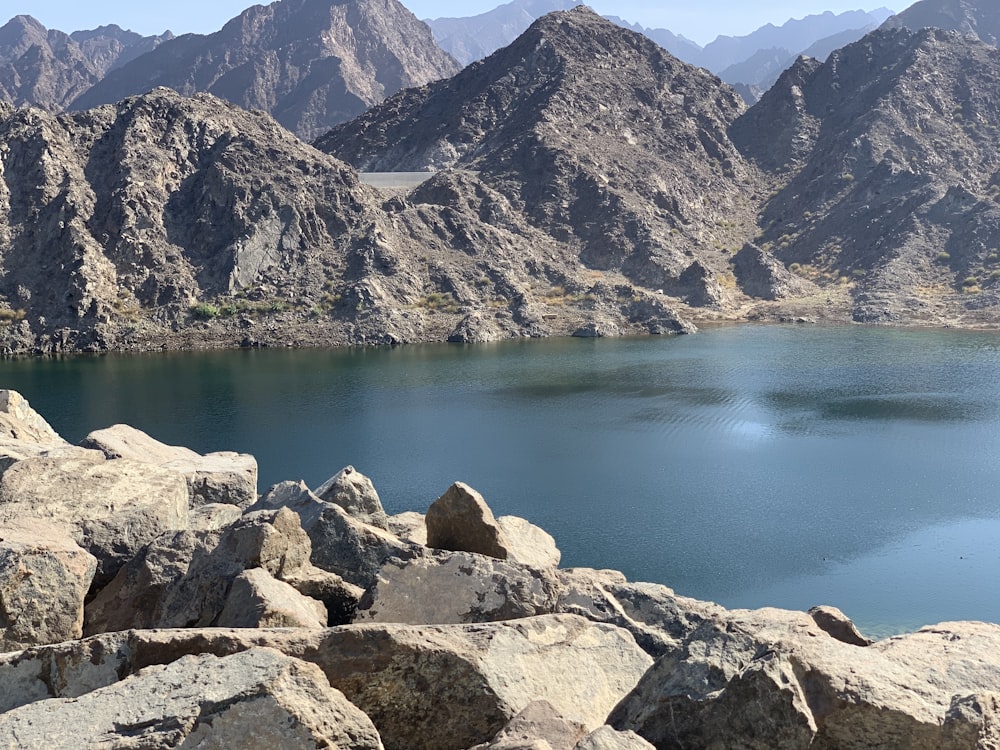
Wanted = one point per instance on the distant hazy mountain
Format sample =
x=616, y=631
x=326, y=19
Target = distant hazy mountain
x=978, y=17
x=795, y=36
x=756, y=59
x=310, y=63
x=759, y=71
x=49, y=69
x=474, y=37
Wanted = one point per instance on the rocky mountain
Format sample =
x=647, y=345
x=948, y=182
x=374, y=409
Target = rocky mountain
x=49, y=69
x=310, y=63
x=178, y=222
x=590, y=133
x=980, y=18
x=888, y=174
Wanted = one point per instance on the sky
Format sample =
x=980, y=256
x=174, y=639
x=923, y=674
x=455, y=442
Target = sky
x=701, y=21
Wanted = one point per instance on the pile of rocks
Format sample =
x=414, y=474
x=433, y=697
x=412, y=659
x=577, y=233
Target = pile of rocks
x=150, y=598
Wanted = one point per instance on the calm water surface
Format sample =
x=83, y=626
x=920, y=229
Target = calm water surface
x=748, y=465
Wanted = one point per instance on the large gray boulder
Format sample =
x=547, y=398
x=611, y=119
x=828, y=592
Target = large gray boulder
x=355, y=493
x=113, y=508
x=770, y=678
x=461, y=521
x=18, y=421
x=529, y=544
x=44, y=578
x=259, y=699
x=538, y=723
x=341, y=544
x=184, y=579
x=223, y=477
x=425, y=687
x=259, y=600
x=655, y=615
x=458, y=587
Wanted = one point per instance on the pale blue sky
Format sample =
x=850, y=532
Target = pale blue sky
x=701, y=21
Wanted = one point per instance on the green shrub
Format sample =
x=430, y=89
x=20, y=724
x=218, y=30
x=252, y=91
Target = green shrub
x=943, y=257
x=205, y=311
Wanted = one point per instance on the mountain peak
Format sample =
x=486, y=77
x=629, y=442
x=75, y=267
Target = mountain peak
x=310, y=63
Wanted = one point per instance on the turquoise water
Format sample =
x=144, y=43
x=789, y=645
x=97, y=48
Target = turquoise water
x=753, y=466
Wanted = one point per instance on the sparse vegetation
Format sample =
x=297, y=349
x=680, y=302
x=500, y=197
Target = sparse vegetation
x=942, y=257
x=8, y=315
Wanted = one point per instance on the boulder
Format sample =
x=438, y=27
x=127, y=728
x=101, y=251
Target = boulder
x=606, y=738
x=529, y=544
x=258, y=600
x=18, y=421
x=355, y=493
x=340, y=544
x=539, y=725
x=770, y=678
x=838, y=625
x=257, y=699
x=409, y=526
x=658, y=619
x=44, y=577
x=114, y=507
x=184, y=579
x=224, y=477
x=338, y=596
x=457, y=587
x=973, y=721
x=461, y=521
x=443, y=687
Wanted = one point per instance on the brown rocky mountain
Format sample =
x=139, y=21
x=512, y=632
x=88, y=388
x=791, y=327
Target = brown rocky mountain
x=49, y=69
x=179, y=222
x=595, y=136
x=310, y=63
x=980, y=18
x=888, y=174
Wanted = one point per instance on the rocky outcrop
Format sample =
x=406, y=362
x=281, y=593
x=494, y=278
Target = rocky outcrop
x=355, y=493
x=111, y=508
x=310, y=63
x=259, y=600
x=774, y=679
x=256, y=699
x=44, y=578
x=223, y=477
x=184, y=579
x=458, y=587
x=440, y=688
x=340, y=544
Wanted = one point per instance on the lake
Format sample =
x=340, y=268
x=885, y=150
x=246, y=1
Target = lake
x=754, y=465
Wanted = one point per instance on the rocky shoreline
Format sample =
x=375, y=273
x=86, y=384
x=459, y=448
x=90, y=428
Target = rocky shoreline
x=151, y=597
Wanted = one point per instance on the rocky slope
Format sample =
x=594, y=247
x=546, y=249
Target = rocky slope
x=49, y=69
x=231, y=622
x=886, y=165
x=591, y=134
x=310, y=63
x=177, y=222
x=980, y=18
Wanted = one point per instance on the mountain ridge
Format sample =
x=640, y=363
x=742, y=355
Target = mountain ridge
x=310, y=63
